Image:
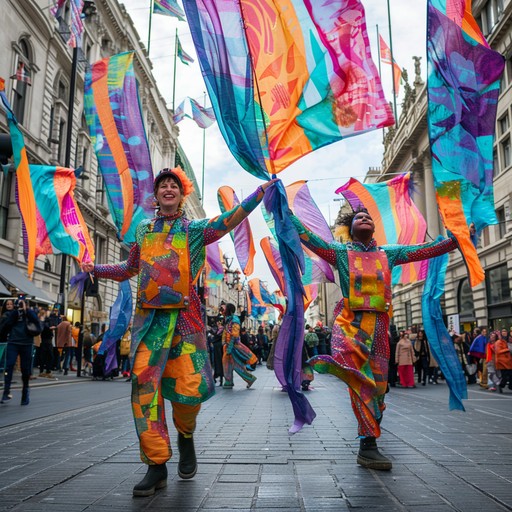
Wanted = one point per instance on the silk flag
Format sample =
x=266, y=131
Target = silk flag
x=168, y=8
x=182, y=55
x=463, y=88
x=242, y=234
x=397, y=219
x=387, y=58
x=203, y=116
x=21, y=74
x=51, y=219
x=259, y=297
x=114, y=118
x=76, y=26
x=439, y=339
x=286, y=77
x=213, y=265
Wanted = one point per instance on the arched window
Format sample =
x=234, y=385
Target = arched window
x=22, y=79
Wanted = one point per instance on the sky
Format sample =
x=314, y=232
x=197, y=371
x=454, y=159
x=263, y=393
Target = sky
x=325, y=169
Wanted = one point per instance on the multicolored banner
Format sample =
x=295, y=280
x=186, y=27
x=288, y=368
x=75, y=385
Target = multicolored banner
x=181, y=54
x=115, y=122
x=242, y=234
x=286, y=78
x=204, y=117
x=76, y=26
x=397, y=219
x=463, y=88
x=387, y=58
x=52, y=221
x=21, y=74
x=168, y=8
x=213, y=265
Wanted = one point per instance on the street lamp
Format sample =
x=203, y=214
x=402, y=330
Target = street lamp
x=231, y=277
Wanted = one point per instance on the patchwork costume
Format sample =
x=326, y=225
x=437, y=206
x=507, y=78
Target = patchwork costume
x=359, y=342
x=169, y=351
x=236, y=356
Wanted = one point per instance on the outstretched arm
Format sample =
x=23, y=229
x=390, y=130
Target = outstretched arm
x=400, y=254
x=314, y=242
x=217, y=227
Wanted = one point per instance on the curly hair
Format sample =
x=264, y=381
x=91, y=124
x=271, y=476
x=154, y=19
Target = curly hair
x=348, y=218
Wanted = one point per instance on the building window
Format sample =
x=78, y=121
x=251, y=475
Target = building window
x=501, y=228
x=5, y=199
x=490, y=16
x=465, y=302
x=485, y=240
x=99, y=244
x=505, y=153
x=408, y=314
x=504, y=124
x=21, y=88
x=495, y=164
x=497, y=285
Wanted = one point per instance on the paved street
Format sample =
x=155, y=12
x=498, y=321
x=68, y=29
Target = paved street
x=74, y=449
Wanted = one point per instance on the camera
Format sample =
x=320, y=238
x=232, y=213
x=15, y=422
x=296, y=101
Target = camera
x=21, y=298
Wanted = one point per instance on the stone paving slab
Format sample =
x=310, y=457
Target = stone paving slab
x=88, y=460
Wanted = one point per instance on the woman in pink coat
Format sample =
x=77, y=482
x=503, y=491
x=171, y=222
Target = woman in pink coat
x=405, y=360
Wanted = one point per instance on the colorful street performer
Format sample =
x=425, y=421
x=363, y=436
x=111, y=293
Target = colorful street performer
x=359, y=343
x=169, y=351
x=236, y=356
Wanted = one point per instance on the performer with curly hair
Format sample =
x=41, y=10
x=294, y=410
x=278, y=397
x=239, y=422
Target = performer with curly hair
x=359, y=343
x=169, y=351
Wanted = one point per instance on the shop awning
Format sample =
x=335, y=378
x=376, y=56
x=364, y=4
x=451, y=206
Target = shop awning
x=12, y=275
x=4, y=290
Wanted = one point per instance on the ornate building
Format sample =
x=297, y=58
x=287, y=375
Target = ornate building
x=32, y=36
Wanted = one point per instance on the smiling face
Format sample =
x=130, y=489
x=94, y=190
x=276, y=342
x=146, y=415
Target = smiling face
x=168, y=195
x=363, y=227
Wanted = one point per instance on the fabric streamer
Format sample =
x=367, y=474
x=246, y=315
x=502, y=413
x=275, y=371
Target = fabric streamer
x=119, y=320
x=438, y=337
x=463, y=88
x=51, y=219
x=396, y=217
x=114, y=118
x=213, y=265
x=242, y=234
x=284, y=79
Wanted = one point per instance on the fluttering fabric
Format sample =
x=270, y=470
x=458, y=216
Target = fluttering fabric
x=242, y=234
x=76, y=26
x=182, y=54
x=463, y=87
x=260, y=297
x=115, y=122
x=21, y=75
x=287, y=78
x=438, y=337
x=397, y=219
x=119, y=320
x=214, y=271
x=387, y=58
x=52, y=221
x=168, y=8
x=203, y=116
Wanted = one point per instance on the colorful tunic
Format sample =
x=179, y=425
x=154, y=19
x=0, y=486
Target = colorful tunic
x=359, y=342
x=168, y=335
x=236, y=355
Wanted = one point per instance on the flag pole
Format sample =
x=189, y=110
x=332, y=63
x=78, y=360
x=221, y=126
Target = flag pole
x=204, y=147
x=150, y=20
x=174, y=74
x=380, y=71
x=392, y=64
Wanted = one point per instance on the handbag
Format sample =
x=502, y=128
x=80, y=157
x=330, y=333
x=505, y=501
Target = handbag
x=471, y=368
x=33, y=328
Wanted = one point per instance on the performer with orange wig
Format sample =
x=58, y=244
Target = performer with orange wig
x=170, y=356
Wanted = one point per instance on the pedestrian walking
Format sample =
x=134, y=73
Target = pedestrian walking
x=21, y=324
x=405, y=360
x=493, y=374
x=169, y=342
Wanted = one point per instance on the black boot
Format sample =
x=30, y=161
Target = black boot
x=187, y=466
x=370, y=457
x=25, y=396
x=156, y=478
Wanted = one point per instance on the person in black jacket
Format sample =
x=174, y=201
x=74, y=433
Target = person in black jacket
x=20, y=343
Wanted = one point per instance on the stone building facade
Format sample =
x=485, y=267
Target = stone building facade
x=31, y=35
x=407, y=148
